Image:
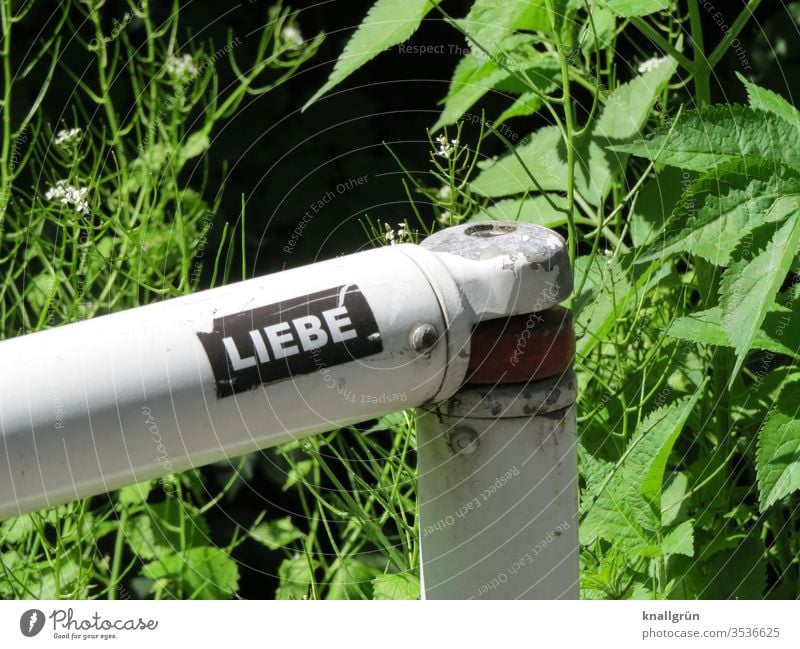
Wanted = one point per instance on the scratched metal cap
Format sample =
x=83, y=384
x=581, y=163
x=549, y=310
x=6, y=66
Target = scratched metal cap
x=528, y=265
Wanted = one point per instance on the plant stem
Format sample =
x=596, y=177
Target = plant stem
x=732, y=33
x=569, y=136
x=117, y=559
x=702, y=67
x=5, y=147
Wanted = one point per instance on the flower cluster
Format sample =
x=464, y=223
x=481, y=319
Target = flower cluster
x=650, y=64
x=180, y=67
x=401, y=235
x=292, y=35
x=69, y=195
x=446, y=148
x=66, y=137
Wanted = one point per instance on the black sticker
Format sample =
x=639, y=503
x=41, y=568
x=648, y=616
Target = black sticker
x=298, y=336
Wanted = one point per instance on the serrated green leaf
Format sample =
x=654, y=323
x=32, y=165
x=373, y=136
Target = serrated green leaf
x=526, y=104
x=594, y=471
x=296, y=577
x=631, y=8
x=388, y=23
x=475, y=75
x=353, y=580
x=627, y=511
x=200, y=573
x=780, y=332
x=778, y=454
x=718, y=210
x=748, y=288
x=396, y=586
x=766, y=100
x=721, y=135
x=276, y=534
x=490, y=22
x=679, y=540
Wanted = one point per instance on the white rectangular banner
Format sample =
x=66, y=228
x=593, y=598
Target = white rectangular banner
x=399, y=624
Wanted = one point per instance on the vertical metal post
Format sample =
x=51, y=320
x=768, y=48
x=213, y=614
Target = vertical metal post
x=498, y=489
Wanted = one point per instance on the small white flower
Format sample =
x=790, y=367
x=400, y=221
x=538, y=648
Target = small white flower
x=65, y=137
x=69, y=195
x=180, y=66
x=401, y=235
x=445, y=218
x=292, y=36
x=650, y=64
x=445, y=148
x=444, y=193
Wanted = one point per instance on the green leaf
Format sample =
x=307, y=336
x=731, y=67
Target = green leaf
x=298, y=473
x=605, y=23
x=388, y=23
x=157, y=531
x=718, y=135
x=721, y=208
x=353, y=580
x=628, y=106
x=627, y=511
x=630, y=8
x=673, y=499
x=679, y=540
x=526, y=104
x=135, y=494
x=396, y=586
x=535, y=209
x=199, y=573
x=780, y=332
x=475, y=75
x=296, y=577
x=748, y=288
x=624, y=114
x=276, y=534
x=766, y=100
x=735, y=573
x=654, y=203
x=196, y=144
x=540, y=154
x=778, y=454
x=15, y=529
x=594, y=471
x=490, y=22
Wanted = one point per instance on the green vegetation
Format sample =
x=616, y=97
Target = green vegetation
x=683, y=223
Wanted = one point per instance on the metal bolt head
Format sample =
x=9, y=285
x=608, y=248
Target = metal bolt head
x=424, y=337
x=463, y=440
